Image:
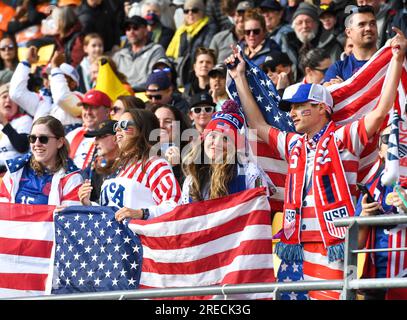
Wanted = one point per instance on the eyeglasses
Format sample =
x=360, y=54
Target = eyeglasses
x=43, y=139
x=163, y=69
x=255, y=32
x=385, y=138
x=115, y=109
x=7, y=46
x=321, y=70
x=198, y=110
x=132, y=27
x=123, y=125
x=155, y=96
x=193, y=10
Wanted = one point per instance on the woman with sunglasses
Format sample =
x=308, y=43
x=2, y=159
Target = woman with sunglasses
x=8, y=58
x=143, y=186
x=314, y=65
x=197, y=31
x=215, y=167
x=201, y=109
x=173, y=123
x=123, y=104
x=46, y=175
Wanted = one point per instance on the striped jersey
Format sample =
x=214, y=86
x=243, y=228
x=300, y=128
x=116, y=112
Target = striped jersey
x=150, y=186
x=351, y=140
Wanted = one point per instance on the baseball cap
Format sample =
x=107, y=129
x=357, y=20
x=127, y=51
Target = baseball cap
x=271, y=5
x=96, y=98
x=304, y=92
x=160, y=79
x=70, y=71
x=276, y=58
x=104, y=128
x=163, y=61
x=219, y=68
x=135, y=21
x=244, y=5
x=201, y=98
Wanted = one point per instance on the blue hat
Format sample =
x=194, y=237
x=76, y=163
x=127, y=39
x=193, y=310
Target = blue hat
x=304, y=92
x=160, y=79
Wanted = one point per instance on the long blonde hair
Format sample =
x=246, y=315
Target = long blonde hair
x=218, y=176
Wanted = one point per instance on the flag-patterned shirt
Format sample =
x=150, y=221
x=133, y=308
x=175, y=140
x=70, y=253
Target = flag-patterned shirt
x=151, y=185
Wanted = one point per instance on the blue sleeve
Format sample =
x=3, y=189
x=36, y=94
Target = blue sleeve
x=332, y=72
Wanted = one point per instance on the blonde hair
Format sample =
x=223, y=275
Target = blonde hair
x=91, y=36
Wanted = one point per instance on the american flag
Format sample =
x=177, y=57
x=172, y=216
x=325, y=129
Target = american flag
x=289, y=272
x=94, y=252
x=26, y=242
x=215, y=242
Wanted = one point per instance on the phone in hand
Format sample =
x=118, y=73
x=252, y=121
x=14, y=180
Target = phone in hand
x=365, y=190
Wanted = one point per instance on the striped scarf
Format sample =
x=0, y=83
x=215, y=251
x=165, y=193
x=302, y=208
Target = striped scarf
x=331, y=194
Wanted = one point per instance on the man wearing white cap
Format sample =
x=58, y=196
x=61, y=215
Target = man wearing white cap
x=323, y=161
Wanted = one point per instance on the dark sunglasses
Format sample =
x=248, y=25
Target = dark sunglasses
x=132, y=27
x=155, y=96
x=385, y=138
x=321, y=70
x=43, y=139
x=163, y=69
x=115, y=109
x=255, y=32
x=198, y=110
x=123, y=125
x=193, y=10
x=7, y=46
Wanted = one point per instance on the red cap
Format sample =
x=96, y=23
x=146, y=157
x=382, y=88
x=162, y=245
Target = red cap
x=97, y=98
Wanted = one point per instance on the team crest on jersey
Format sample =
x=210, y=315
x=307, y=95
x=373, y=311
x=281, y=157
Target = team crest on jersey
x=330, y=216
x=289, y=223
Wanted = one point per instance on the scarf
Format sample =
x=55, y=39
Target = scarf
x=331, y=195
x=192, y=31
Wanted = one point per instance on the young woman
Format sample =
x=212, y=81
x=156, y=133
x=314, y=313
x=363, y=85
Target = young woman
x=8, y=58
x=123, y=104
x=172, y=125
x=314, y=64
x=143, y=186
x=214, y=168
x=46, y=175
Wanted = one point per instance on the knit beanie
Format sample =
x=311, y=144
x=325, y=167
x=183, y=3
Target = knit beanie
x=308, y=9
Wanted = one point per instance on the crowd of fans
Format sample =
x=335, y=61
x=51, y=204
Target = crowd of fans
x=64, y=141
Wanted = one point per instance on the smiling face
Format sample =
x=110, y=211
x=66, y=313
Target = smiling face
x=193, y=15
x=125, y=137
x=362, y=30
x=308, y=118
x=8, y=108
x=217, y=145
x=305, y=27
x=45, y=154
x=92, y=116
x=202, y=118
x=94, y=48
x=167, y=123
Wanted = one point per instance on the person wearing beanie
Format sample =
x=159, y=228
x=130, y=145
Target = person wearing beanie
x=323, y=159
x=308, y=33
x=214, y=167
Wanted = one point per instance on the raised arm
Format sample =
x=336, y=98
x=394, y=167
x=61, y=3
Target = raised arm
x=375, y=118
x=250, y=107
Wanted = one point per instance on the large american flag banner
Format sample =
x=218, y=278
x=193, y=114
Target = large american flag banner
x=215, y=242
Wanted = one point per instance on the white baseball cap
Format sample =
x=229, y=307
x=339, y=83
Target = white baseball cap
x=70, y=71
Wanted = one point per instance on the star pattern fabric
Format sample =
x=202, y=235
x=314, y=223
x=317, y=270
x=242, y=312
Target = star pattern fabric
x=289, y=272
x=94, y=252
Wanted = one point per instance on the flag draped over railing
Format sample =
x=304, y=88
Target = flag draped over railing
x=83, y=249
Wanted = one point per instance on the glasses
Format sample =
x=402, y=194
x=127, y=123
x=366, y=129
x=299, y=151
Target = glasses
x=132, y=27
x=155, y=96
x=254, y=31
x=198, y=110
x=7, y=47
x=123, y=125
x=163, y=69
x=115, y=109
x=321, y=70
x=193, y=10
x=43, y=139
x=385, y=138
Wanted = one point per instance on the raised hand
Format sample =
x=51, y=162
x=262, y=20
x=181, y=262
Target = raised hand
x=57, y=59
x=240, y=68
x=398, y=44
x=84, y=193
x=32, y=55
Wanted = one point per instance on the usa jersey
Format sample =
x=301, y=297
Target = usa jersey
x=150, y=186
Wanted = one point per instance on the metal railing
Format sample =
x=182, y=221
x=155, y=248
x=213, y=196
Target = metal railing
x=349, y=285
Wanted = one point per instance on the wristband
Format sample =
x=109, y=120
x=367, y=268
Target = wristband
x=146, y=214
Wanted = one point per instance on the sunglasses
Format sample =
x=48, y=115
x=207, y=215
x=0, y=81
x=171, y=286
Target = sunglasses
x=255, y=32
x=123, y=125
x=115, y=109
x=155, y=96
x=198, y=110
x=43, y=139
x=163, y=69
x=132, y=27
x=321, y=70
x=193, y=10
x=7, y=46
x=385, y=138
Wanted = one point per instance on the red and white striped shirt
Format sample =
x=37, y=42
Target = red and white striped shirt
x=150, y=186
